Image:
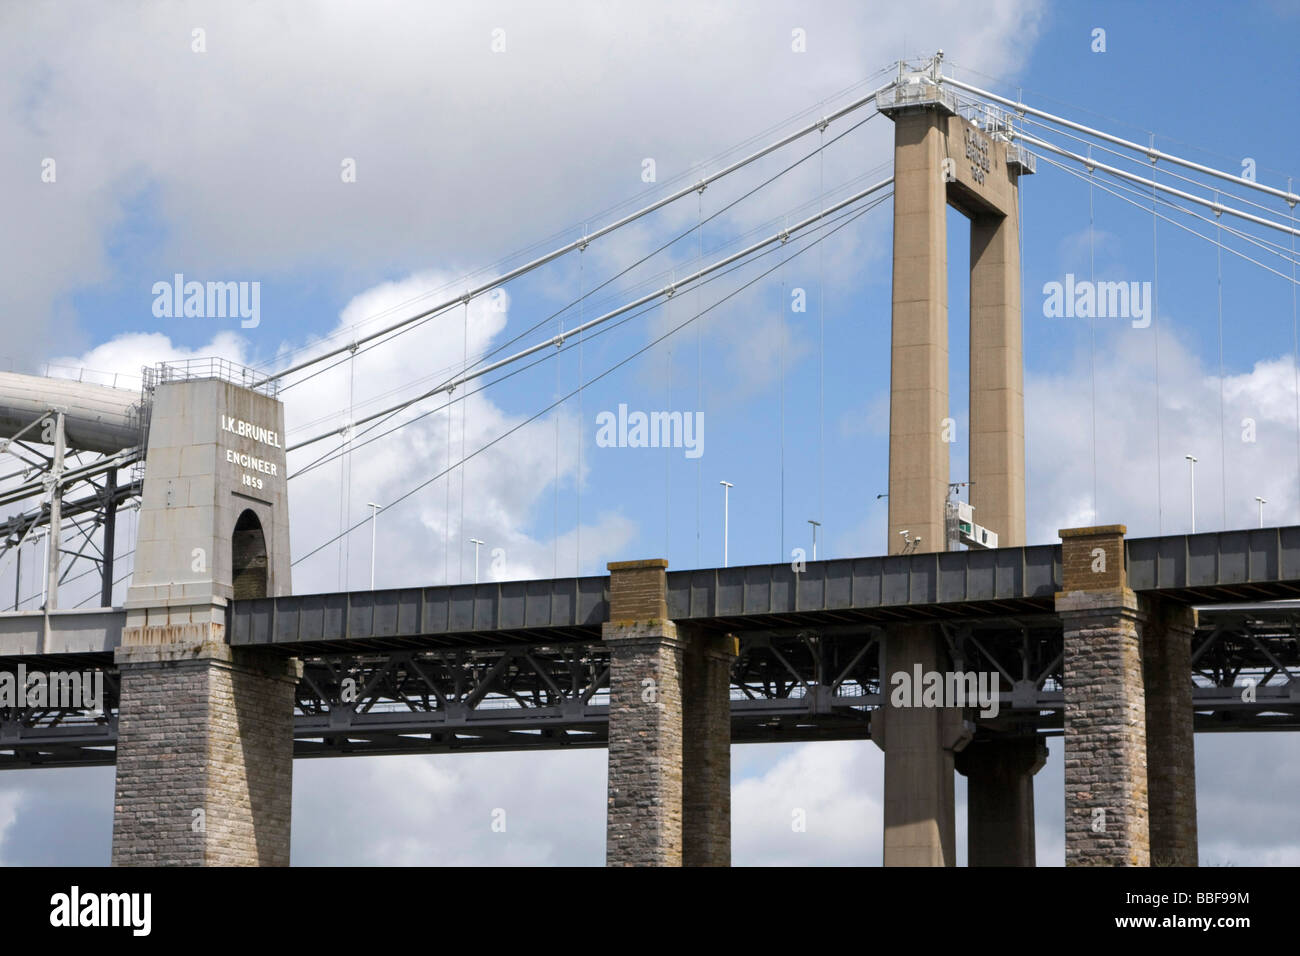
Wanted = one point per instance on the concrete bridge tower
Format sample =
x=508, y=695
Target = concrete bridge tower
x=940, y=159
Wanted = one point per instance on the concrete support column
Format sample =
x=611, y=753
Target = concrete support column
x=1171, y=754
x=920, y=823
x=1000, y=799
x=918, y=373
x=669, y=730
x=1106, y=821
x=204, y=756
x=997, y=391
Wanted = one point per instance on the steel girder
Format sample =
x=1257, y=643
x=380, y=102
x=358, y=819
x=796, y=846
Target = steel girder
x=787, y=684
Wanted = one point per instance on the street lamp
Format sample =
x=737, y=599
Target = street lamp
x=1262, y=502
x=374, y=514
x=476, y=542
x=816, y=525
x=1191, y=465
x=726, y=506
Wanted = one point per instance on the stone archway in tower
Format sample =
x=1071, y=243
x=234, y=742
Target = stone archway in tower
x=248, y=564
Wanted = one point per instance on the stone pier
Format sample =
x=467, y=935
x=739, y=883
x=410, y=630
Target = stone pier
x=205, y=732
x=669, y=730
x=1130, y=776
x=205, y=756
x=1171, y=753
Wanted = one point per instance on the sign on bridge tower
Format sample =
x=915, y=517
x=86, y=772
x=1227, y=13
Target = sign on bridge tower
x=214, y=512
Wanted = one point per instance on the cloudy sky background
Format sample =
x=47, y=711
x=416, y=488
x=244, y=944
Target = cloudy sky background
x=225, y=165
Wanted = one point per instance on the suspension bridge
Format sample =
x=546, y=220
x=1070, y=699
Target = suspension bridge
x=216, y=674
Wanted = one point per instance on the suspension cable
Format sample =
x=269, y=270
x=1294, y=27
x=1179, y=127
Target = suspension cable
x=650, y=255
x=330, y=456
x=665, y=291
x=1151, y=152
x=848, y=219
x=585, y=240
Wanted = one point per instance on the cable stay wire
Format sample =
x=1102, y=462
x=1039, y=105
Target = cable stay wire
x=1092, y=343
x=1223, y=447
x=1151, y=152
x=388, y=413
x=580, y=301
x=1155, y=316
x=848, y=219
x=1216, y=207
x=1105, y=117
x=586, y=240
x=684, y=234
x=332, y=455
x=1267, y=245
x=460, y=281
x=1226, y=248
x=1145, y=163
x=664, y=292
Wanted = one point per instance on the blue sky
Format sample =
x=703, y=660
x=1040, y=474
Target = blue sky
x=224, y=165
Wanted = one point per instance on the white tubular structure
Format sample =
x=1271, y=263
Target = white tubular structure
x=1150, y=152
x=96, y=418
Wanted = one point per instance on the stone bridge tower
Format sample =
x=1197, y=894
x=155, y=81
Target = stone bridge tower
x=205, y=733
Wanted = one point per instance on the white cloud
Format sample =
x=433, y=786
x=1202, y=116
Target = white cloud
x=517, y=809
x=834, y=789
x=1059, y=439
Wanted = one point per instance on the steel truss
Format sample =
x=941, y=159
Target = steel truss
x=792, y=684
x=49, y=479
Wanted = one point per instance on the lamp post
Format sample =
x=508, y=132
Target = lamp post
x=374, y=515
x=476, y=542
x=815, y=526
x=1191, y=465
x=1262, y=502
x=726, y=506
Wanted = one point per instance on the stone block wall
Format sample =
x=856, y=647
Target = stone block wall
x=1106, y=799
x=205, y=757
x=1171, y=751
x=644, y=822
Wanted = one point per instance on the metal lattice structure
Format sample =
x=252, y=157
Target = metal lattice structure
x=787, y=684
